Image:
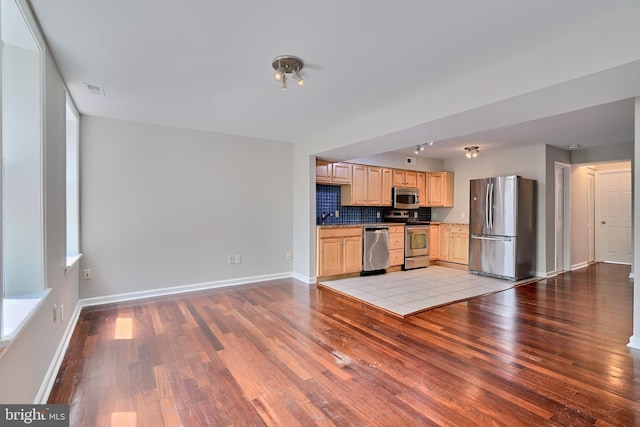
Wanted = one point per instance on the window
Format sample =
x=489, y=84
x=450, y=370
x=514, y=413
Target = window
x=72, y=184
x=21, y=182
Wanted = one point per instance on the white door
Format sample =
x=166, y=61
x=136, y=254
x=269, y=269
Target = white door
x=613, y=219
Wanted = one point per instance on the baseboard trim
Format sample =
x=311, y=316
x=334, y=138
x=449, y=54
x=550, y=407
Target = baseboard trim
x=131, y=296
x=52, y=373
x=634, y=342
x=306, y=279
x=579, y=266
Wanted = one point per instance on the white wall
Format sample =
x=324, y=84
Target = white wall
x=27, y=363
x=528, y=162
x=164, y=207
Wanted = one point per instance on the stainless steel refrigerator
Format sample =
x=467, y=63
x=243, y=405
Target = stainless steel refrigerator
x=502, y=227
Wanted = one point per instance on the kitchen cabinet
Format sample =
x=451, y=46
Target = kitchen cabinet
x=440, y=189
x=333, y=173
x=396, y=245
x=405, y=178
x=366, y=187
x=444, y=230
x=387, y=184
x=421, y=183
x=451, y=241
x=459, y=244
x=339, y=251
x=434, y=242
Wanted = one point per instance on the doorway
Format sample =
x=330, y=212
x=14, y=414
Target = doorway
x=613, y=216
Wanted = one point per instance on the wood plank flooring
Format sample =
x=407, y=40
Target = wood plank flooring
x=281, y=353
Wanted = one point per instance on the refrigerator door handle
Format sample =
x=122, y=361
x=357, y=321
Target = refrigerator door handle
x=491, y=208
x=494, y=239
x=486, y=207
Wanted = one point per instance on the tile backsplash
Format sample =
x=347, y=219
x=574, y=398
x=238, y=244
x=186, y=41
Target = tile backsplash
x=328, y=201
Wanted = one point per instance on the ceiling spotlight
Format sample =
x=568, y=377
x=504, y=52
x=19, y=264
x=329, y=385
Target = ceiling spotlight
x=279, y=73
x=287, y=64
x=298, y=77
x=430, y=143
x=471, y=151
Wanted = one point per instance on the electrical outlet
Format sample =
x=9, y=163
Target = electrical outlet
x=337, y=215
x=232, y=259
x=377, y=214
x=238, y=259
x=462, y=215
x=289, y=256
x=86, y=274
x=61, y=313
x=415, y=214
x=55, y=313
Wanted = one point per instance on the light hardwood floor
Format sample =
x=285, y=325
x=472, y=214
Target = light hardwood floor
x=283, y=354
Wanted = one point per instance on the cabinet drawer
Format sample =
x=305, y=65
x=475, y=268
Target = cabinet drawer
x=396, y=257
x=339, y=232
x=464, y=229
x=396, y=241
x=396, y=229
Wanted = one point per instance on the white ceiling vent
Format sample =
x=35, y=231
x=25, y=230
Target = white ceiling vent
x=93, y=89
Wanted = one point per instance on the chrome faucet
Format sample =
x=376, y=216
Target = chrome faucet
x=325, y=216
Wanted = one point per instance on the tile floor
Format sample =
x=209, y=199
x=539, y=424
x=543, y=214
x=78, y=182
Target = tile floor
x=409, y=292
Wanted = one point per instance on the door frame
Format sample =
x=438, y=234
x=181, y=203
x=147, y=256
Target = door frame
x=565, y=234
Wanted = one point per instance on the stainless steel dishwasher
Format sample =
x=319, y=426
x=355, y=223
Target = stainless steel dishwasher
x=376, y=250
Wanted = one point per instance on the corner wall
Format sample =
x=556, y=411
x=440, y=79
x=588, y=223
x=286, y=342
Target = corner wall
x=164, y=207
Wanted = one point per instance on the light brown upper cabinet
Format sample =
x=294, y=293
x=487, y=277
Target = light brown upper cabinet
x=422, y=189
x=405, y=178
x=366, y=187
x=440, y=189
x=387, y=184
x=333, y=173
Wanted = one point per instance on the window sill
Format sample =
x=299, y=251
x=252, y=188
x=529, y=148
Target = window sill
x=17, y=312
x=72, y=261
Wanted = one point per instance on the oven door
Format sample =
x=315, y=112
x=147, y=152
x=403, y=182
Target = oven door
x=416, y=241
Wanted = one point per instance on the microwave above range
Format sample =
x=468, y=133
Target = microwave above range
x=405, y=198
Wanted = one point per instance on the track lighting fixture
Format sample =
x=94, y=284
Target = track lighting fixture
x=420, y=147
x=471, y=151
x=287, y=64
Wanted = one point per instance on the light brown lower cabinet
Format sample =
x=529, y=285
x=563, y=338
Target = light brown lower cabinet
x=450, y=243
x=459, y=244
x=339, y=251
x=396, y=245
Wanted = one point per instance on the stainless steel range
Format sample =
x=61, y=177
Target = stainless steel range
x=416, y=238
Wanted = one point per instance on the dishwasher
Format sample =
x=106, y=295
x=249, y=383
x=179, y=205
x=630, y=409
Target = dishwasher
x=375, y=253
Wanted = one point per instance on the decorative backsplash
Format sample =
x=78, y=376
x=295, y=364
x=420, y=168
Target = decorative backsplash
x=328, y=201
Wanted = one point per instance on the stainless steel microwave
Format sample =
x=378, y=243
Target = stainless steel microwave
x=405, y=198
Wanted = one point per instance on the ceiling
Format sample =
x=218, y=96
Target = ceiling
x=207, y=64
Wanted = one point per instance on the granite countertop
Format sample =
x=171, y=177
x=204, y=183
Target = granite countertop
x=374, y=224
x=382, y=224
